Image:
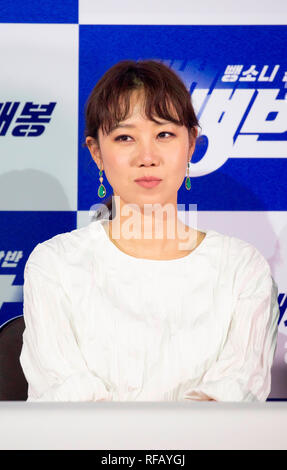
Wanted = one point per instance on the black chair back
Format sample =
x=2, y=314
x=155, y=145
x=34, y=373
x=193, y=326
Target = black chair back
x=13, y=384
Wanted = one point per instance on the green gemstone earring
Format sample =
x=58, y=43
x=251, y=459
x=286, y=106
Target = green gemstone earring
x=102, y=190
x=187, y=180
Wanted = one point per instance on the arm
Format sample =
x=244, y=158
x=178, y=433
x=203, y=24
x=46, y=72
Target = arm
x=242, y=372
x=51, y=359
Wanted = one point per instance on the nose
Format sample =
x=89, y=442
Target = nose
x=147, y=153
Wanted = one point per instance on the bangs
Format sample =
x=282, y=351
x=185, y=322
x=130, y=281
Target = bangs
x=154, y=105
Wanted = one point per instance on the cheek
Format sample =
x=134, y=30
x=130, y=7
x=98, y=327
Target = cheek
x=178, y=165
x=175, y=177
x=113, y=164
x=117, y=173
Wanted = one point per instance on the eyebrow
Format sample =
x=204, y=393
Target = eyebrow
x=159, y=123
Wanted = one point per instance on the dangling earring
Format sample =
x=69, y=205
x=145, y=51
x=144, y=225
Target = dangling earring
x=187, y=180
x=102, y=190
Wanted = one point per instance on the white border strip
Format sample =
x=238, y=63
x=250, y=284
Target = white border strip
x=183, y=12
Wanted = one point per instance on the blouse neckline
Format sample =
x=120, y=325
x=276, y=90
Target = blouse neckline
x=117, y=251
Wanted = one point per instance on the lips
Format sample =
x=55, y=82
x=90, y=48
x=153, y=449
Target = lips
x=148, y=183
x=148, y=178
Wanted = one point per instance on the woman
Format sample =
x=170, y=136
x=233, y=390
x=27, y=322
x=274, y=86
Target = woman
x=138, y=306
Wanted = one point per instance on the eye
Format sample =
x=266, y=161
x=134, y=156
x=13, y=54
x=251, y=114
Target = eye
x=122, y=137
x=119, y=138
x=164, y=132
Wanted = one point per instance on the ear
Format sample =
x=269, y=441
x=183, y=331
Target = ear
x=95, y=152
x=192, y=140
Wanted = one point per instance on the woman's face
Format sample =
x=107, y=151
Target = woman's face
x=141, y=147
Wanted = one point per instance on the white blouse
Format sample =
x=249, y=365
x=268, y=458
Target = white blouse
x=104, y=325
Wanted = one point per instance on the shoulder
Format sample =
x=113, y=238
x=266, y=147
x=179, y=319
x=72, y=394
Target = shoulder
x=239, y=252
x=246, y=255
x=63, y=247
x=247, y=267
x=252, y=271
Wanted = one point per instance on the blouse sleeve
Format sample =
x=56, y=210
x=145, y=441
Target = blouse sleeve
x=242, y=372
x=50, y=357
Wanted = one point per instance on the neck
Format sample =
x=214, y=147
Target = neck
x=152, y=242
